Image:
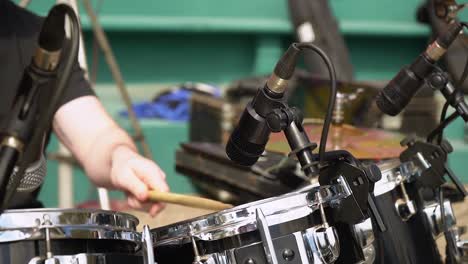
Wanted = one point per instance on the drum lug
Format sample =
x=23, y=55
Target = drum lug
x=404, y=206
x=364, y=235
x=46, y=225
x=322, y=244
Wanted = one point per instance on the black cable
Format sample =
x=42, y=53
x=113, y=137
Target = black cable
x=460, y=81
x=439, y=129
x=332, y=98
x=442, y=118
x=45, y=120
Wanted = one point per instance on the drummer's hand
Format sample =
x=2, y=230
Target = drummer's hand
x=137, y=175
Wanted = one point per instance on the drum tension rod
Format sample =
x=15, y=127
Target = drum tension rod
x=47, y=224
x=197, y=258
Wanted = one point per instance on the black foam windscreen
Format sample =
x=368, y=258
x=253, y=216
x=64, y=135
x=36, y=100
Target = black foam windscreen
x=241, y=151
x=52, y=34
x=398, y=92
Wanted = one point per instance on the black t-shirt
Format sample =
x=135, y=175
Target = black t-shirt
x=19, y=31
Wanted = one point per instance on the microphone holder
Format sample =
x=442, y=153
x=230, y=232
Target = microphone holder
x=433, y=160
x=354, y=208
x=439, y=80
x=19, y=128
x=289, y=120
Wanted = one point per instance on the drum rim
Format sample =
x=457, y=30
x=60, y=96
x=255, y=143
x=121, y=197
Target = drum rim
x=221, y=224
x=385, y=184
x=25, y=224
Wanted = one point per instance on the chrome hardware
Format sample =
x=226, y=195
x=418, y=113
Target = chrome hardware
x=434, y=217
x=364, y=234
x=322, y=244
x=267, y=241
x=342, y=101
x=462, y=246
x=404, y=206
x=197, y=259
x=18, y=225
x=83, y=258
x=242, y=219
x=425, y=164
x=147, y=246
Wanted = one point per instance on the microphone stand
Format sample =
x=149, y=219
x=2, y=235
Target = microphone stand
x=336, y=166
x=20, y=126
x=36, y=125
x=432, y=157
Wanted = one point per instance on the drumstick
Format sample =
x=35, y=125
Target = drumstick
x=187, y=200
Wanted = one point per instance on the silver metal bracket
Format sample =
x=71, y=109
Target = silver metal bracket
x=267, y=240
x=147, y=245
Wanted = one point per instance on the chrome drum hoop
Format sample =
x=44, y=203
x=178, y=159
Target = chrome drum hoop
x=242, y=219
x=27, y=224
x=394, y=173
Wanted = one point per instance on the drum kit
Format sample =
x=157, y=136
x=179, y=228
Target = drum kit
x=292, y=228
x=315, y=224
x=318, y=223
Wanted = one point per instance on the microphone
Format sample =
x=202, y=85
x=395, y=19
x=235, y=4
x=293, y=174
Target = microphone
x=399, y=91
x=249, y=138
x=35, y=87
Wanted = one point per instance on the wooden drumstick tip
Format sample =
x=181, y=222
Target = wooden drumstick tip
x=187, y=200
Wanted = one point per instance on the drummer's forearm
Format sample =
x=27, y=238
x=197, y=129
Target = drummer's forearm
x=111, y=145
x=92, y=136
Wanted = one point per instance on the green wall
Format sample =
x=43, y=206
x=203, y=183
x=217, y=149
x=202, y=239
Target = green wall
x=217, y=41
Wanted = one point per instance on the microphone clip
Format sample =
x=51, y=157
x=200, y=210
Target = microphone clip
x=439, y=80
x=432, y=161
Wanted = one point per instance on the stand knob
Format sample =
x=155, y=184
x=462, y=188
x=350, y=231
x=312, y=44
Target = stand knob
x=408, y=141
x=373, y=173
x=446, y=146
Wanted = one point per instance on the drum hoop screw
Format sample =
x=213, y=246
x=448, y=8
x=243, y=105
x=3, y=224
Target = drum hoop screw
x=249, y=261
x=288, y=254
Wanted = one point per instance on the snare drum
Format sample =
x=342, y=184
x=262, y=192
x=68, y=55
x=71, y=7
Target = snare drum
x=408, y=237
x=287, y=229
x=69, y=236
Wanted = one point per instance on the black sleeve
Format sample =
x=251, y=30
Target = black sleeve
x=27, y=26
x=78, y=86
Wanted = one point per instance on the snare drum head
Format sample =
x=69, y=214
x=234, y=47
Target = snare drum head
x=29, y=224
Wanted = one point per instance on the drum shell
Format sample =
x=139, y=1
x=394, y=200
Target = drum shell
x=95, y=235
x=24, y=251
x=403, y=242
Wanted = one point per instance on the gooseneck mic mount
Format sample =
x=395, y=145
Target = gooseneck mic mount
x=268, y=112
x=38, y=97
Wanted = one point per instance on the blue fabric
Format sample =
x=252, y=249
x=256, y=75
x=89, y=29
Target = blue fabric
x=174, y=106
